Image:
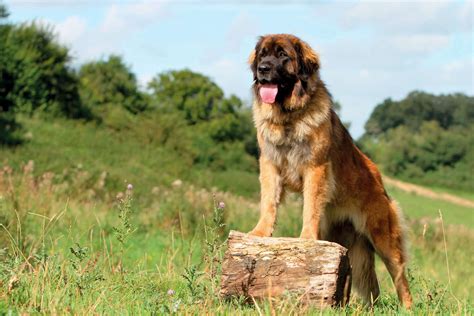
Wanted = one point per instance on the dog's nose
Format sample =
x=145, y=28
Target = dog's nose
x=263, y=68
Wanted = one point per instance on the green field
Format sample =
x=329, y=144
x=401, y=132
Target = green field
x=75, y=240
x=416, y=207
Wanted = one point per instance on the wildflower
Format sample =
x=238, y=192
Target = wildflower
x=129, y=187
x=177, y=183
x=221, y=205
x=170, y=292
x=120, y=196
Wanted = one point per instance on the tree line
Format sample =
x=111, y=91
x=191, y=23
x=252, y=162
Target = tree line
x=424, y=138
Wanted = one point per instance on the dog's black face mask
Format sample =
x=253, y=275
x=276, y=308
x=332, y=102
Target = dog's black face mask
x=279, y=65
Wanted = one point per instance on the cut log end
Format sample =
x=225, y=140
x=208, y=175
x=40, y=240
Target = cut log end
x=316, y=272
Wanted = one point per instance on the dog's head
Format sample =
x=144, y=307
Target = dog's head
x=285, y=70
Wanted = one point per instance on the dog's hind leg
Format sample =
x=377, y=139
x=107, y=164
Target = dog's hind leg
x=386, y=233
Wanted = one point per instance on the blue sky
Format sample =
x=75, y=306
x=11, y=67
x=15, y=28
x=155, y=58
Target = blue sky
x=369, y=50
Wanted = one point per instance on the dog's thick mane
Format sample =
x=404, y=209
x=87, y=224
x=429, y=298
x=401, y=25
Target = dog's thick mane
x=311, y=112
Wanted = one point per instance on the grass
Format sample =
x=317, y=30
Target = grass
x=416, y=207
x=462, y=194
x=64, y=146
x=76, y=240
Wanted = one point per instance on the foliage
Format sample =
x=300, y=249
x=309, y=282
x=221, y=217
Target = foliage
x=423, y=138
x=448, y=110
x=35, y=76
x=110, y=83
x=8, y=123
x=194, y=94
x=39, y=76
x=221, y=128
x=3, y=11
x=200, y=101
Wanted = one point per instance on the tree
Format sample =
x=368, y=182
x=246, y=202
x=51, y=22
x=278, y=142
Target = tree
x=200, y=101
x=4, y=12
x=193, y=94
x=424, y=138
x=418, y=107
x=8, y=123
x=7, y=73
x=221, y=128
x=110, y=83
x=43, y=80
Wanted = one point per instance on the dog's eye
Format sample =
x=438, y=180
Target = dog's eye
x=282, y=54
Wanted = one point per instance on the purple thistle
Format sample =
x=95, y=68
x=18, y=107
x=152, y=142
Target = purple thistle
x=221, y=205
x=129, y=187
x=170, y=292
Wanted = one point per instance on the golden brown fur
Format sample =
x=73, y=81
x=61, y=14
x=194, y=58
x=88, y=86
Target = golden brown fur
x=305, y=148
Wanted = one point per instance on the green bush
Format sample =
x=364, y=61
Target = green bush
x=110, y=83
x=433, y=155
x=42, y=79
x=418, y=107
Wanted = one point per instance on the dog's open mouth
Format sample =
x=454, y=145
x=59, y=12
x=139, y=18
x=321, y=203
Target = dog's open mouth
x=268, y=92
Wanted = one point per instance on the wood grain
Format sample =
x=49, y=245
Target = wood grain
x=317, y=272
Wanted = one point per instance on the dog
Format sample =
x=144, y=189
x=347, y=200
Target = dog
x=305, y=148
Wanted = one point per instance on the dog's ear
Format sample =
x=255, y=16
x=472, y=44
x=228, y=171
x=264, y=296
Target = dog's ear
x=253, y=56
x=308, y=60
x=252, y=60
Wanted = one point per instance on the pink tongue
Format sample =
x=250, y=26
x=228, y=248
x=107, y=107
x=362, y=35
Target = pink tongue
x=268, y=93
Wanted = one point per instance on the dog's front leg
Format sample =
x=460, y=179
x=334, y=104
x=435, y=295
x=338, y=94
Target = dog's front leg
x=316, y=188
x=271, y=192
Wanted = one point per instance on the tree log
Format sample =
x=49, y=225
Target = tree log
x=316, y=272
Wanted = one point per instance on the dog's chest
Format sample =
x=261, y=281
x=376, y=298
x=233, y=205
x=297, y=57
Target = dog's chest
x=289, y=148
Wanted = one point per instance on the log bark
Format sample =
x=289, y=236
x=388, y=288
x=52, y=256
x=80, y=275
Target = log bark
x=315, y=272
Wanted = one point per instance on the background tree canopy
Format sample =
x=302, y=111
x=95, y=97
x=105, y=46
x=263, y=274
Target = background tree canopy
x=424, y=138
x=38, y=77
x=110, y=83
x=221, y=125
x=448, y=110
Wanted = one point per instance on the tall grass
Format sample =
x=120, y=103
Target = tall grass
x=70, y=245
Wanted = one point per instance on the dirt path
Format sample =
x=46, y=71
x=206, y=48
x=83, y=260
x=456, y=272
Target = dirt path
x=408, y=187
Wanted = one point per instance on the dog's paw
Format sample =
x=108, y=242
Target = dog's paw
x=307, y=234
x=260, y=233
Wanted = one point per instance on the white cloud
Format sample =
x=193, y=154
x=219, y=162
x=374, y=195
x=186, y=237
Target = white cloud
x=419, y=43
x=71, y=29
x=242, y=27
x=457, y=76
x=440, y=17
x=391, y=48
x=121, y=18
x=108, y=36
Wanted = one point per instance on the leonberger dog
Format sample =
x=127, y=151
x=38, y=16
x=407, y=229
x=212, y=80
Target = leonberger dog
x=304, y=147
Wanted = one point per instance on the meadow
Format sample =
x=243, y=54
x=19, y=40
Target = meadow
x=77, y=238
